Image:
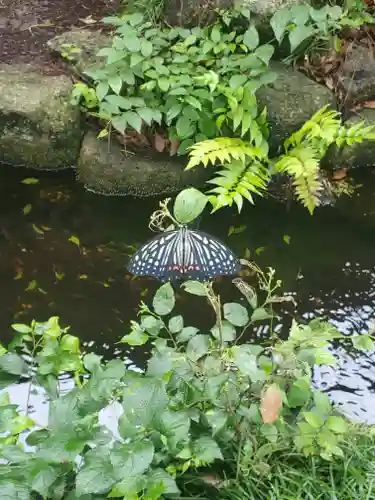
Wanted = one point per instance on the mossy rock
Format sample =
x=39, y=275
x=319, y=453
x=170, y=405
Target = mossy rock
x=110, y=171
x=39, y=128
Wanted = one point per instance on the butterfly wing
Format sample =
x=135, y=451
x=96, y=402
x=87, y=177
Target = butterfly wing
x=212, y=256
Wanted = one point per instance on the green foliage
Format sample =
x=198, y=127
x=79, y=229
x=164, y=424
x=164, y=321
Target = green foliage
x=199, y=406
x=307, y=27
x=195, y=83
x=246, y=168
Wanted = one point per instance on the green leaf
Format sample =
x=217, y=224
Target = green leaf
x=236, y=314
x=279, y=22
x=115, y=82
x=146, y=114
x=299, y=34
x=21, y=328
x=237, y=81
x=132, y=43
x=207, y=450
x=325, y=358
x=102, y=90
x=135, y=337
x=164, y=300
x=251, y=38
x=91, y=362
x=337, y=424
x=27, y=209
x=197, y=347
x=97, y=474
x=188, y=205
x=146, y=48
x=228, y=332
x=134, y=120
x=299, y=393
x=246, y=362
x=30, y=180
x=12, y=363
x=131, y=459
x=44, y=479
x=313, y=419
x=215, y=33
x=75, y=240
x=184, y=127
x=216, y=420
x=260, y=314
x=143, y=400
x=159, y=477
x=12, y=490
x=176, y=324
x=159, y=365
x=187, y=333
x=322, y=402
x=174, y=424
x=287, y=239
x=119, y=123
x=164, y=84
x=151, y=324
x=363, y=342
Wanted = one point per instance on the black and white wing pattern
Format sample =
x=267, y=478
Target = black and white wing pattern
x=184, y=254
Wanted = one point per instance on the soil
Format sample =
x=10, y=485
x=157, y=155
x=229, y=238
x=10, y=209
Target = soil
x=26, y=26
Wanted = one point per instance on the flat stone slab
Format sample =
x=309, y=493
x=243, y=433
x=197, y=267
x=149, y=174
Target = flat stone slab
x=39, y=128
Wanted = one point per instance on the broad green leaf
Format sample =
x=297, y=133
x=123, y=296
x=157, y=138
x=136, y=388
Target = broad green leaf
x=299, y=392
x=176, y=324
x=188, y=205
x=115, y=82
x=146, y=48
x=215, y=33
x=184, y=127
x=216, y=420
x=228, y=332
x=327, y=438
x=129, y=488
x=363, y=342
x=337, y=424
x=91, y=362
x=279, y=22
x=143, y=400
x=322, y=402
x=132, y=43
x=159, y=365
x=12, y=363
x=147, y=115
x=134, y=120
x=151, y=324
x=313, y=419
x=197, y=347
x=21, y=328
x=102, y=90
x=236, y=314
x=97, y=475
x=187, y=333
x=159, y=477
x=251, y=38
x=13, y=490
x=27, y=209
x=195, y=288
x=237, y=81
x=325, y=358
x=246, y=362
x=174, y=424
x=44, y=479
x=164, y=300
x=131, y=459
x=206, y=449
x=260, y=314
x=70, y=343
x=299, y=34
x=119, y=123
x=75, y=240
x=135, y=337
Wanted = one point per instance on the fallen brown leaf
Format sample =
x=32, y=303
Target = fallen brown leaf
x=159, y=142
x=271, y=404
x=174, y=145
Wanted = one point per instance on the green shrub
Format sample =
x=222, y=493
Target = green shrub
x=209, y=417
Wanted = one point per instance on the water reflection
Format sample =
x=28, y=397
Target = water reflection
x=328, y=267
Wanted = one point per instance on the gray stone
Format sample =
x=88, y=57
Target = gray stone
x=39, y=128
x=79, y=47
x=291, y=100
x=356, y=155
x=110, y=171
x=357, y=79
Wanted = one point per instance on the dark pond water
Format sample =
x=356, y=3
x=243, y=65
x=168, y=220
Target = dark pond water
x=328, y=266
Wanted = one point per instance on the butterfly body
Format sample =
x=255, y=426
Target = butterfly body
x=184, y=254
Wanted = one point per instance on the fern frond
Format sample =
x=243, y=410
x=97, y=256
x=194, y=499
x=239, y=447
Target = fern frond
x=355, y=134
x=324, y=126
x=302, y=164
x=222, y=150
x=238, y=180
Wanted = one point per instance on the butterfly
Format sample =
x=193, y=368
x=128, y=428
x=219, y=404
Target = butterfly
x=184, y=254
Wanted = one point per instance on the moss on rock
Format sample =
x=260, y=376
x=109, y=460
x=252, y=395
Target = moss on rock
x=114, y=173
x=39, y=128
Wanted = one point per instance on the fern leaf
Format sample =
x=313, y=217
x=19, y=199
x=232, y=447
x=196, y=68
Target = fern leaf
x=214, y=150
x=302, y=164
